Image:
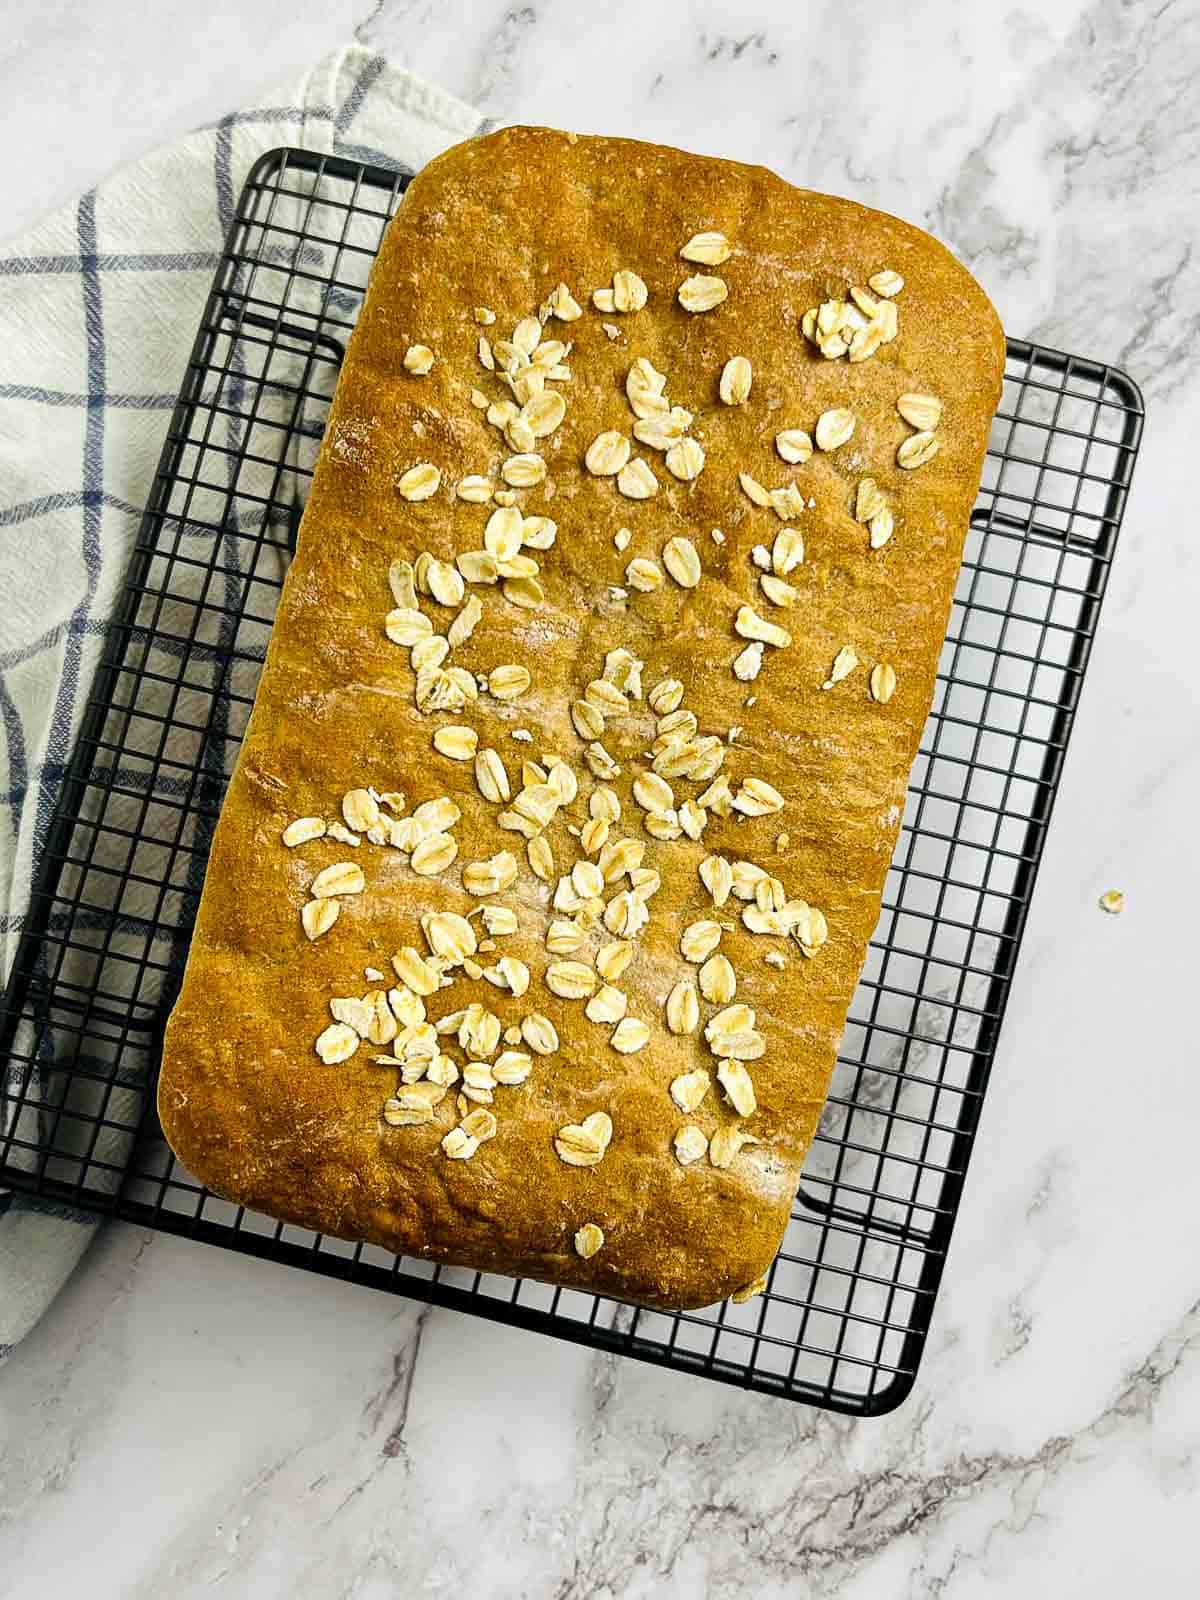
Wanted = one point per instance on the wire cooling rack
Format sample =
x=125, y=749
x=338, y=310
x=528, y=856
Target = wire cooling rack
x=849, y=1302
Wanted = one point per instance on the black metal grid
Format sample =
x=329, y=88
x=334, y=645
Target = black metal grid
x=850, y=1297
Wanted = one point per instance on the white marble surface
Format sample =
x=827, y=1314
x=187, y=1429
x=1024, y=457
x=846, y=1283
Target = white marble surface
x=186, y=1421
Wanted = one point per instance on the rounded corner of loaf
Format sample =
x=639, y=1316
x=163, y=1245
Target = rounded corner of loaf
x=189, y=1135
x=200, y=1111
x=742, y=1263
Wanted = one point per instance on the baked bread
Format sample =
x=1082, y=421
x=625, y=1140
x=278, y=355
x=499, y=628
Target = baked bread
x=547, y=872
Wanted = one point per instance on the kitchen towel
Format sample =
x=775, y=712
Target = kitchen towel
x=99, y=305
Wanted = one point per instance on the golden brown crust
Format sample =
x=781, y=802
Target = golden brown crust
x=500, y=221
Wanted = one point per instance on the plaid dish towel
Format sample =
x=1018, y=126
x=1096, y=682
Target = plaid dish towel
x=98, y=308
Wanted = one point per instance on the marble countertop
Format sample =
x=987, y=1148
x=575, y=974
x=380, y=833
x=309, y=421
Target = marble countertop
x=185, y=1420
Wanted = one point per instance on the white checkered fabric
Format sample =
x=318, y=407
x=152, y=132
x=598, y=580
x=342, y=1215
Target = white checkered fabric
x=101, y=302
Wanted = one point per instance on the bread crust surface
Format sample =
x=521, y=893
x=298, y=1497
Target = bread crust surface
x=498, y=222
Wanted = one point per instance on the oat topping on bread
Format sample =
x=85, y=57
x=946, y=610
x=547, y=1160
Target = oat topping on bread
x=588, y=715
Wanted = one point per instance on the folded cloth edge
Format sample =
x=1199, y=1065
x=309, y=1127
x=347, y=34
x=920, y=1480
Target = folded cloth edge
x=74, y=492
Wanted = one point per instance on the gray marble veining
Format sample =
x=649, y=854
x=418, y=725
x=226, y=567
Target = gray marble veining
x=185, y=1421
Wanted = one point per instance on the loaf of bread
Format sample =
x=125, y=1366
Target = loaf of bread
x=547, y=872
